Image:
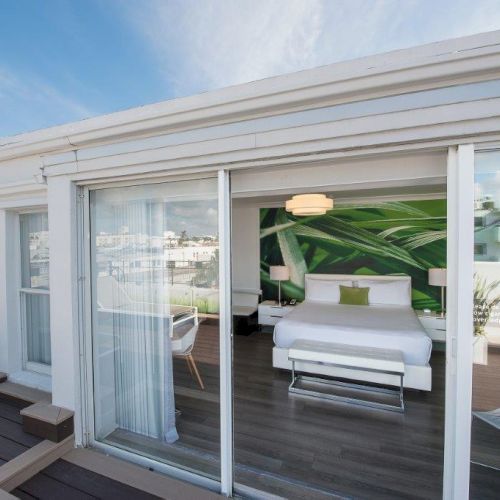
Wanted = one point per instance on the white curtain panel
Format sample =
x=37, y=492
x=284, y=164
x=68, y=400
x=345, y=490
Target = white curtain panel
x=143, y=367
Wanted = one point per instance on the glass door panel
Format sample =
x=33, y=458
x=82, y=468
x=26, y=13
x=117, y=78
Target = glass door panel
x=485, y=449
x=155, y=321
x=310, y=446
x=34, y=293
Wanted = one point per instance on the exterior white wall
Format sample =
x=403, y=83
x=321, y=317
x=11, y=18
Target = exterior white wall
x=10, y=281
x=19, y=190
x=4, y=339
x=10, y=337
x=19, y=170
x=63, y=292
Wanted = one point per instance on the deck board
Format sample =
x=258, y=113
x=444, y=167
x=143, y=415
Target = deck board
x=63, y=480
x=13, y=440
x=60, y=480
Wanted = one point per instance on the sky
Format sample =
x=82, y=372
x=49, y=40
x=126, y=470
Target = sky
x=67, y=60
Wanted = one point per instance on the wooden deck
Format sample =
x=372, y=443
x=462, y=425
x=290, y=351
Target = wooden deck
x=82, y=474
x=61, y=480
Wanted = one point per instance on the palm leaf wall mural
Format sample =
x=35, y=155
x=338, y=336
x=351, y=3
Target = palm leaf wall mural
x=382, y=238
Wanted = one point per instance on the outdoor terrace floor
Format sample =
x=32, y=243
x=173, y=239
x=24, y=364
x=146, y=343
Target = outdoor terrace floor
x=61, y=479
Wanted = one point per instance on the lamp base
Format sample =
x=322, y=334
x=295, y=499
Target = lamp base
x=443, y=311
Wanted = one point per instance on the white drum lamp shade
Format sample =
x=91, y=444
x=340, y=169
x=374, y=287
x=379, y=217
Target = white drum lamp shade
x=437, y=277
x=279, y=274
x=309, y=204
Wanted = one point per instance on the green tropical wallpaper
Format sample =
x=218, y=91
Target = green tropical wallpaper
x=381, y=238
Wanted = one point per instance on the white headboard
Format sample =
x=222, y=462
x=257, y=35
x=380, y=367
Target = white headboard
x=359, y=280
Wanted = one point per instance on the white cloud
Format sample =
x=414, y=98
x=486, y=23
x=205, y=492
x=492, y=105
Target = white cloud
x=201, y=45
x=28, y=101
x=222, y=43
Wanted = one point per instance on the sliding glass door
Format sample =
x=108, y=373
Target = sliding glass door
x=485, y=448
x=306, y=445
x=34, y=292
x=155, y=321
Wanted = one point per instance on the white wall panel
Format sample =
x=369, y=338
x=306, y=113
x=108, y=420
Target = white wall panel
x=344, y=174
x=63, y=291
x=245, y=245
x=10, y=331
x=19, y=170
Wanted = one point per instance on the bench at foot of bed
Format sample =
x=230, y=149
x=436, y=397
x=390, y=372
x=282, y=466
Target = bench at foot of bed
x=415, y=376
x=366, y=359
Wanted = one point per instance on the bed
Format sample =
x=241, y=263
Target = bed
x=388, y=322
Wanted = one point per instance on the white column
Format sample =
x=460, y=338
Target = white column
x=459, y=334
x=63, y=292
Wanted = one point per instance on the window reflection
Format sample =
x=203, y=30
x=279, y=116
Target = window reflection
x=34, y=250
x=155, y=255
x=485, y=450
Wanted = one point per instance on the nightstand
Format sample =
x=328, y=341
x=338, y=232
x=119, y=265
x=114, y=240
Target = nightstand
x=434, y=325
x=270, y=312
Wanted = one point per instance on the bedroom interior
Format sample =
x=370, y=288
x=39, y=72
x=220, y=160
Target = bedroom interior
x=328, y=423
x=394, y=231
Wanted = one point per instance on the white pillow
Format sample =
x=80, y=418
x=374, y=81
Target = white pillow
x=395, y=293
x=325, y=290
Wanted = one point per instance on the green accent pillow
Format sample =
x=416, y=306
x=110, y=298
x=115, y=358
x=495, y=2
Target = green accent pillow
x=354, y=296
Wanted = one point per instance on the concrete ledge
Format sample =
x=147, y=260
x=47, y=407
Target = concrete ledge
x=18, y=392
x=47, y=421
x=31, y=462
x=143, y=479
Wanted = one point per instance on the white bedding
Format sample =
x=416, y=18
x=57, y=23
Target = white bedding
x=394, y=327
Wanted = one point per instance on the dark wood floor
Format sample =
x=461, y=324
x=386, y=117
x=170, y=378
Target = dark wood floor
x=299, y=447
x=351, y=451
x=61, y=480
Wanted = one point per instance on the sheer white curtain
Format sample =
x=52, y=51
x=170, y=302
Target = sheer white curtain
x=133, y=310
x=37, y=320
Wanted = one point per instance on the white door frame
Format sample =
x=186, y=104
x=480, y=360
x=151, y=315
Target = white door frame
x=225, y=329
x=459, y=335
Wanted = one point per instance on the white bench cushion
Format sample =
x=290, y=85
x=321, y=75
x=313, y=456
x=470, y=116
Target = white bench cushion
x=390, y=360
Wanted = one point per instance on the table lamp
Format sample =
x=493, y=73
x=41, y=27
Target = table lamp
x=437, y=277
x=279, y=274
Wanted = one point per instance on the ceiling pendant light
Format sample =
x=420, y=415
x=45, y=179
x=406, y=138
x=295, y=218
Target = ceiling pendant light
x=309, y=204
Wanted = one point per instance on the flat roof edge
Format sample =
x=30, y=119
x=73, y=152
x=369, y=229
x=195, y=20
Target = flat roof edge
x=282, y=91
